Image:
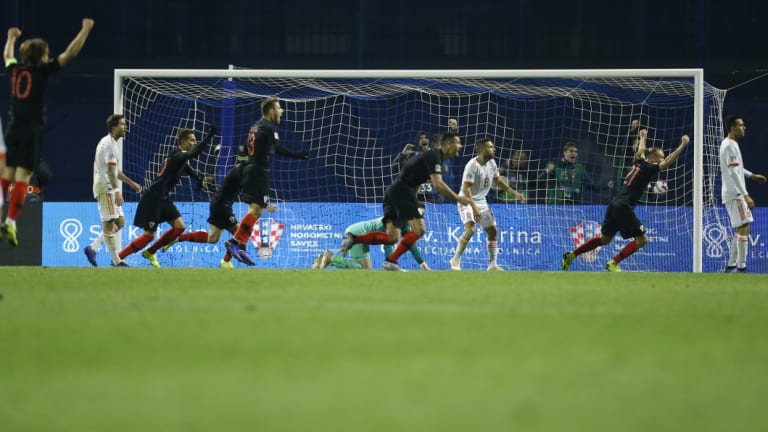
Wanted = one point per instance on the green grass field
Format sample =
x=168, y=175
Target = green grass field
x=260, y=350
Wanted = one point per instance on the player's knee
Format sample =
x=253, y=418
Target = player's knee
x=420, y=230
x=492, y=233
x=469, y=231
x=641, y=241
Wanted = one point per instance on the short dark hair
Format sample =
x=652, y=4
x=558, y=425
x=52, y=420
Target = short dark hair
x=730, y=121
x=268, y=104
x=448, y=136
x=183, y=133
x=482, y=142
x=570, y=144
x=113, y=121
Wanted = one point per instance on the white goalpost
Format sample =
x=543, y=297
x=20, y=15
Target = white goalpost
x=355, y=122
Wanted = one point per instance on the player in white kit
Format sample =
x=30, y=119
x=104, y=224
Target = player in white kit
x=106, y=190
x=734, y=191
x=479, y=174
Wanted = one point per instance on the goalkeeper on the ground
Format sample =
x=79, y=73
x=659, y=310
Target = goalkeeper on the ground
x=360, y=256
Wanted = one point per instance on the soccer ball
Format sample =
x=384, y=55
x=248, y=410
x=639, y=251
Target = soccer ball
x=659, y=187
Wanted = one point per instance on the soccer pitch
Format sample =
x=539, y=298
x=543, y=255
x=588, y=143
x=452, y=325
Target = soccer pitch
x=139, y=349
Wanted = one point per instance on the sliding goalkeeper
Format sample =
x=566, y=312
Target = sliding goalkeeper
x=360, y=257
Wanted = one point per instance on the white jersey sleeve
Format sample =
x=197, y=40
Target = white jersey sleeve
x=732, y=171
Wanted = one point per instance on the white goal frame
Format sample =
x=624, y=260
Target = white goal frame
x=696, y=74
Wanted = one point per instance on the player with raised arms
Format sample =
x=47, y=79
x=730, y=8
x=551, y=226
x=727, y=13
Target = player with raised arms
x=24, y=138
x=620, y=215
x=156, y=206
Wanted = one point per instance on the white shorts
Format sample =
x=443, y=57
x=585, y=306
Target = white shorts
x=487, y=219
x=739, y=212
x=108, y=210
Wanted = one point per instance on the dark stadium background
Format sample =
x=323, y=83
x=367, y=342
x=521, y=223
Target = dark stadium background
x=727, y=39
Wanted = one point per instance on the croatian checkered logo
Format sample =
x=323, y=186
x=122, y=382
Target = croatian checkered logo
x=583, y=232
x=266, y=235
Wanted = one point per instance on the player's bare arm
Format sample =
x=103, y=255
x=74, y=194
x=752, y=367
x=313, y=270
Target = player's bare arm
x=641, y=137
x=10, y=44
x=74, y=47
x=437, y=181
x=757, y=178
x=675, y=154
x=124, y=178
x=502, y=184
x=467, y=193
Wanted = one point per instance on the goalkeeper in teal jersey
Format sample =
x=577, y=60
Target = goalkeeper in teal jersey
x=360, y=257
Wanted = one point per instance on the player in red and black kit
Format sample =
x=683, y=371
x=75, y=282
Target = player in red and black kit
x=401, y=205
x=156, y=206
x=220, y=217
x=263, y=143
x=29, y=80
x=620, y=215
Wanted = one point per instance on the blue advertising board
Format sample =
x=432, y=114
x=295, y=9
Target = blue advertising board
x=531, y=237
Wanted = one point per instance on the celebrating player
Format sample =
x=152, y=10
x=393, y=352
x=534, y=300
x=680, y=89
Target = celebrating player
x=401, y=206
x=360, y=256
x=263, y=143
x=106, y=190
x=734, y=192
x=220, y=217
x=156, y=205
x=620, y=214
x=479, y=173
x=29, y=80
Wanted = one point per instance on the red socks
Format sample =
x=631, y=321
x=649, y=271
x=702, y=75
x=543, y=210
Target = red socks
x=194, y=237
x=628, y=250
x=166, y=238
x=243, y=232
x=405, y=243
x=16, y=202
x=136, y=245
x=591, y=244
x=373, y=238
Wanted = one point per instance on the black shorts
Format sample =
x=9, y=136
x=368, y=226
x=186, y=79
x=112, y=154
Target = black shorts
x=254, y=185
x=401, y=205
x=24, y=141
x=621, y=218
x=222, y=216
x=152, y=210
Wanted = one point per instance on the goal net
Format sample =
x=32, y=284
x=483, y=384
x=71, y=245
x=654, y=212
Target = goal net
x=355, y=124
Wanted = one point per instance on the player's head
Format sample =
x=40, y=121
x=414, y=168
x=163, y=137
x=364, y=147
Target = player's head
x=450, y=144
x=187, y=139
x=423, y=140
x=485, y=149
x=735, y=126
x=654, y=154
x=570, y=152
x=271, y=110
x=116, y=125
x=33, y=51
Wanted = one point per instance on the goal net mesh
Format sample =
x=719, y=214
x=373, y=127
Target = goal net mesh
x=355, y=128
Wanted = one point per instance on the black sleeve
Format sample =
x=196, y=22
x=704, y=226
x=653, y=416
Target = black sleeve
x=290, y=153
x=194, y=174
